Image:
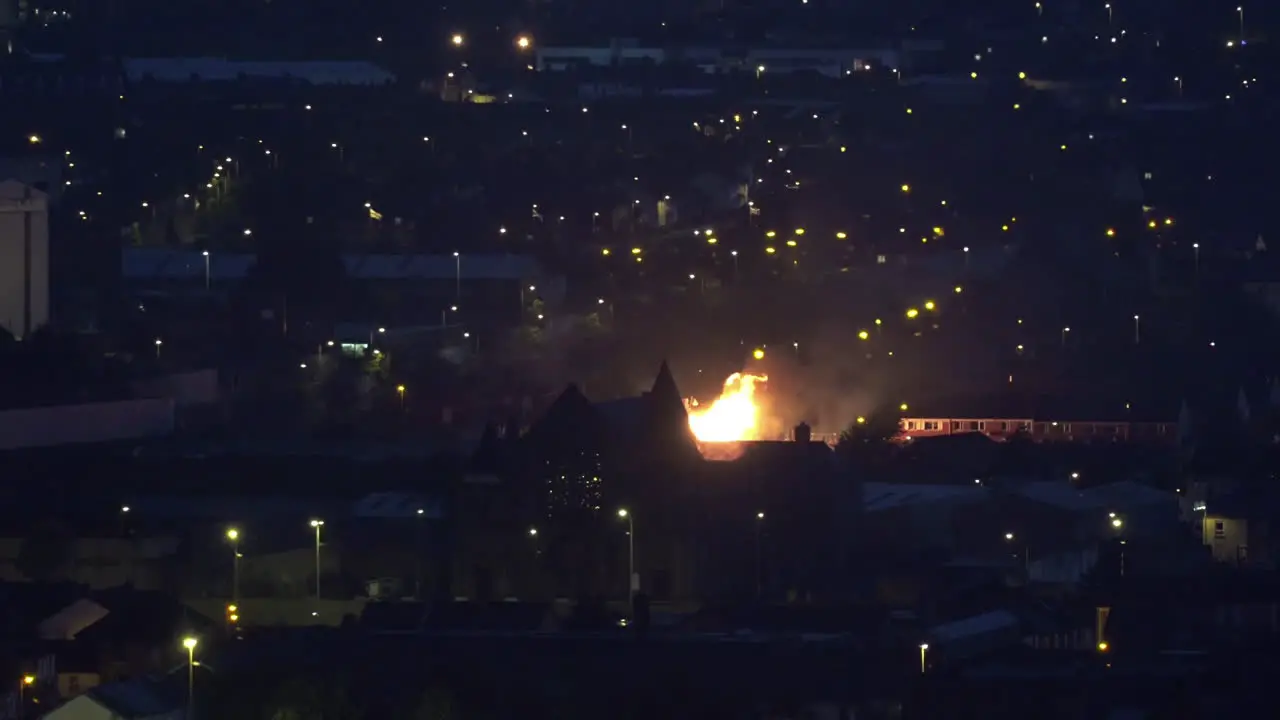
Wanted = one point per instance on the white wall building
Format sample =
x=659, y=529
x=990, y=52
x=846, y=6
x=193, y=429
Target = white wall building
x=24, y=258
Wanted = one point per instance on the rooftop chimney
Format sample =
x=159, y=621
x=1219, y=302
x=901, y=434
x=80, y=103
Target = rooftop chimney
x=804, y=433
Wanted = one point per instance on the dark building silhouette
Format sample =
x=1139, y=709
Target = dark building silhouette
x=769, y=520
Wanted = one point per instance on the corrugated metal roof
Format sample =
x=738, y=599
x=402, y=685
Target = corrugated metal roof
x=172, y=264
x=1058, y=494
x=883, y=496
x=181, y=69
x=975, y=625
x=133, y=699
x=396, y=505
x=177, y=264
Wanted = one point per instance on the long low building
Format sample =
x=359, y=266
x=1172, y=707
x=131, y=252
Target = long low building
x=832, y=62
x=1040, y=430
x=198, y=266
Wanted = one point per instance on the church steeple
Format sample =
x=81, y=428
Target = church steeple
x=668, y=418
x=664, y=390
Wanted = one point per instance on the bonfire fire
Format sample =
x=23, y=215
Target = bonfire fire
x=732, y=417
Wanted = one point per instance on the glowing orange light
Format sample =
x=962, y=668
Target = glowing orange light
x=732, y=417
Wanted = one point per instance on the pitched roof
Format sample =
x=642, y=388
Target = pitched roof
x=884, y=496
x=135, y=699
x=973, y=626
x=396, y=505
x=17, y=190
x=145, y=615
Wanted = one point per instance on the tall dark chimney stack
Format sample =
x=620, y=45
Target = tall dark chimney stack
x=804, y=433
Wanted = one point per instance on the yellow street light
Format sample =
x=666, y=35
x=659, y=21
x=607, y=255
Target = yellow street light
x=903, y=407
x=189, y=643
x=841, y=235
x=906, y=188
x=622, y=513
x=770, y=250
x=799, y=231
x=1103, y=646
x=636, y=251
x=523, y=42
x=911, y=313
x=863, y=334
x=861, y=420
x=791, y=243
x=1111, y=232
x=457, y=40
x=959, y=289
x=929, y=305
x=604, y=251
x=758, y=354
x=34, y=139
x=233, y=534
x=770, y=233
x=28, y=679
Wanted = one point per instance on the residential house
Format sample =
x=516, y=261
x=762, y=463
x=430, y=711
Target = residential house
x=132, y=700
x=96, y=638
x=1237, y=531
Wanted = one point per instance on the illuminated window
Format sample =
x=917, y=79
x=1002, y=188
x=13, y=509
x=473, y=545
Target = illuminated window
x=1219, y=529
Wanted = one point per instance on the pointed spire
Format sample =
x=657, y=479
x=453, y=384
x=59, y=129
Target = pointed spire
x=664, y=386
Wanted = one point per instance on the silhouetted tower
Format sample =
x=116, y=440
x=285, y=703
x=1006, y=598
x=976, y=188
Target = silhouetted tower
x=565, y=451
x=803, y=433
x=669, y=434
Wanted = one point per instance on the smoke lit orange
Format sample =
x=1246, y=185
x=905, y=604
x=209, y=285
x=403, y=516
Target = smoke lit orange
x=732, y=417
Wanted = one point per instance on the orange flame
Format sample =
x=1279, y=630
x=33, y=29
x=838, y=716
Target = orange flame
x=732, y=417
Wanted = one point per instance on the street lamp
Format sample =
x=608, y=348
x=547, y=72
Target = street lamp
x=457, y=275
x=759, y=557
x=27, y=681
x=206, y=269
x=234, y=536
x=457, y=40
x=1137, y=330
x=924, y=648
x=631, y=550
x=317, y=524
x=190, y=644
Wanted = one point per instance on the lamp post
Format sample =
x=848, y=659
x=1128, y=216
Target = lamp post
x=924, y=648
x=1065, y=330
x=317, y=524
x=1026, y=553
x=234, y=536
x=206, y=269
x=631, y=550
x=190, y=644
x=1240, y=12
x=1137, y=329
x=457, y=275
x=26, y=682
x=759, y=558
